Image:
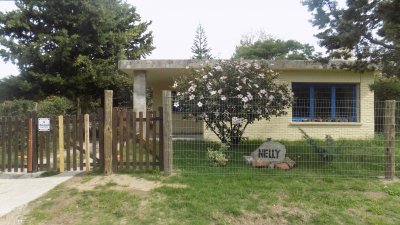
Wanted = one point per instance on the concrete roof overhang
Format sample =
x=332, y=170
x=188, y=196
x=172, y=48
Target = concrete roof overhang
x=163, y=70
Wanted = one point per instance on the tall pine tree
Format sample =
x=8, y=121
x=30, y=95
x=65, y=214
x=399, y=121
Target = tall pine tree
x=72, y=47
x=367, y=30
x=200, y=49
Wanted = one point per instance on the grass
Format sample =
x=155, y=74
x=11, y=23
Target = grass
x=313, y=192
x=242, y=199
x=351, y=158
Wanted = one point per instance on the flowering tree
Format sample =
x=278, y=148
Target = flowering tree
x=230, y=95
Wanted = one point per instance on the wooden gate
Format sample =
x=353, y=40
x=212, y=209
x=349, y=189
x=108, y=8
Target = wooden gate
x=13, y=144
x=26, y=149
x=137, y=140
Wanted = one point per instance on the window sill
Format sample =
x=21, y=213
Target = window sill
x=293, y=123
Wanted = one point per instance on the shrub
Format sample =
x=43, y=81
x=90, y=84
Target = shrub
x=55, y=105
x=386, y=88
x=18, y=107
x=325, y=152
x=217, y=157
x=230, y=95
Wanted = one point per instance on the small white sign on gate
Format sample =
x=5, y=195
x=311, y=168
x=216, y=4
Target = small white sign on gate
x=44, y=124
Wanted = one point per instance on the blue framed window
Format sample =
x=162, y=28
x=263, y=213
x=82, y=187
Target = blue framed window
x=324, y=102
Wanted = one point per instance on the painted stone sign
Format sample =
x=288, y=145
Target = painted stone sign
x=270, y=151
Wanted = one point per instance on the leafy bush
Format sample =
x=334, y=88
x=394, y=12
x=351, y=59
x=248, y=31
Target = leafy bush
x=17, y=107
x=55, y=105
x=386, y=88
x=217, y=157
x=325, y=152
x=230, y=95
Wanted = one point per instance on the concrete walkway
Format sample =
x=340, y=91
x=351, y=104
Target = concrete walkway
x=18, y=189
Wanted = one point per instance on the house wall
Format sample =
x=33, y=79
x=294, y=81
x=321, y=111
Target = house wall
x=283, y=127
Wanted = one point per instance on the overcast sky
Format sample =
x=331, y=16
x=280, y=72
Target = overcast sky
x=174, y=23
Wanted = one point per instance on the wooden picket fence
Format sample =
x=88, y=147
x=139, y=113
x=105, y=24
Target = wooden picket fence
x=12, y=143
x=137, y=142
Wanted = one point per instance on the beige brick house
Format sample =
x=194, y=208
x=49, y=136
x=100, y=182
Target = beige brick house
x=327, y=100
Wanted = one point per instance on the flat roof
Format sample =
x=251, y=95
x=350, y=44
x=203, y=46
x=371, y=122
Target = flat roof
x=156, y=64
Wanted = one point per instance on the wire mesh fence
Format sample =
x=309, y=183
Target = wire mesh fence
x=332, y=146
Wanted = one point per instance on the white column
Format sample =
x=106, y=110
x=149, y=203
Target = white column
x=139, y=91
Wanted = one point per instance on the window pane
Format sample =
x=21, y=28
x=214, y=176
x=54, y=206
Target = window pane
x=344, y=102
x=322, y=102
x=301, y=104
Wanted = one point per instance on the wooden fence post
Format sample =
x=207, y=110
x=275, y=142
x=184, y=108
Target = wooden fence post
x=30, y=145
x=87, y=150
x=167, y=120
x=390, y=137
x=108, y=132
x=61, y=142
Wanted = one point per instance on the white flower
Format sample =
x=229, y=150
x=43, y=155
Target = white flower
x=192, y=88
x=257, y=66
x=271, y=97
x=240, y=96
x=199, y=104
x=249, y=96
x=218, y=68
x=205, y=77
x=262, y=91
x=245, y=99
x=213, y=92
x=176, y=104
x=191, y=97
x=223, y=98
x=178, y=94
x=239, y=88
x=175, y=84
x=261, y=75
x=256, y=85
x=219, y=91
x=235, y=120
x=201, y=97
x=245, y=106
x=187, y=67
x=209, y=73
x=244, y=79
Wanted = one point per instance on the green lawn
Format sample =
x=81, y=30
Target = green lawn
x=243, y=199
x=313, y=192
x=351, y=158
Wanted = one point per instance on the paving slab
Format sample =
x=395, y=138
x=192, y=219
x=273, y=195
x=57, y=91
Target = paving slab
x=18, y=189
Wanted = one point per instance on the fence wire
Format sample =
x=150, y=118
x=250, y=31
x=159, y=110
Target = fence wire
x=331, y=146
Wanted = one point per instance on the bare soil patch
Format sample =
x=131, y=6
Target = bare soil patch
x=82, y=182
x=121, y=182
